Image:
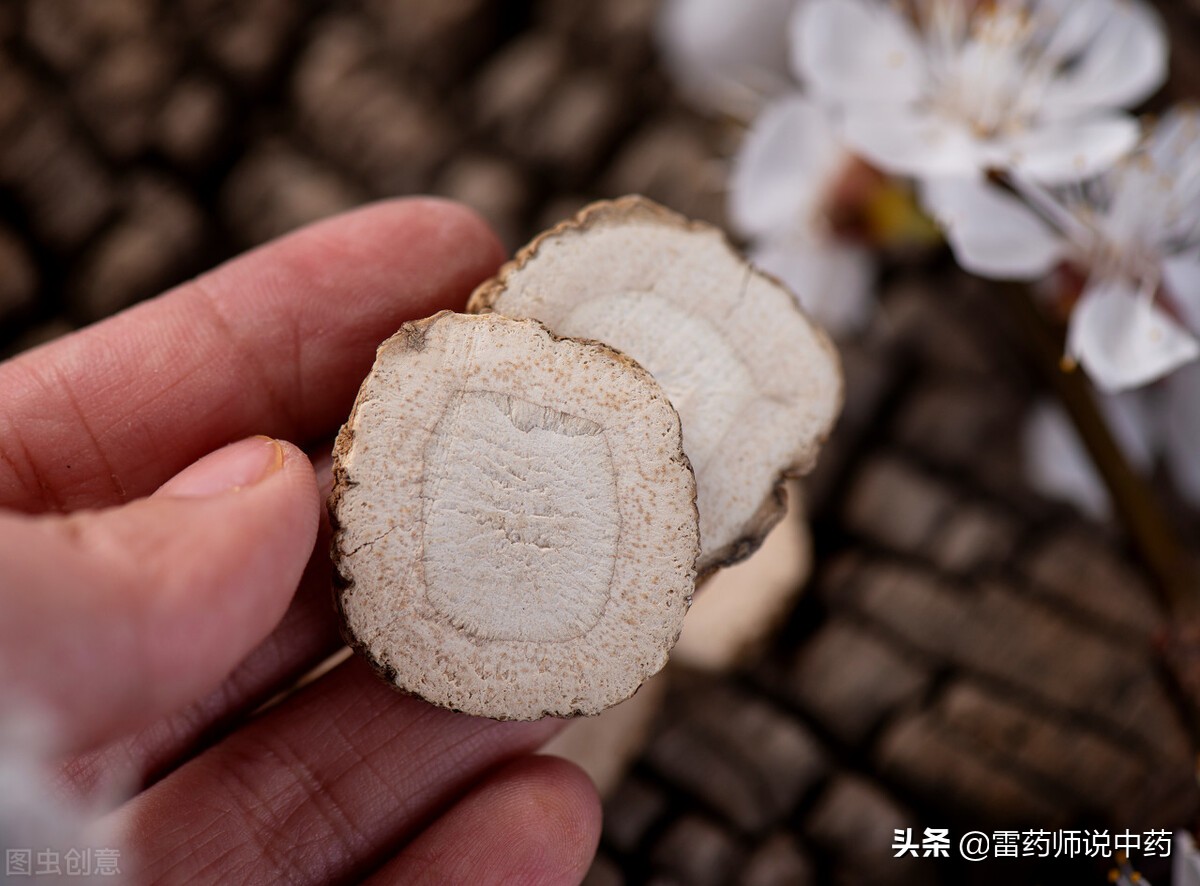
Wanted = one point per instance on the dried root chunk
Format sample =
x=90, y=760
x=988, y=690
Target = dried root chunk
x=516, y=520
x=757, y=385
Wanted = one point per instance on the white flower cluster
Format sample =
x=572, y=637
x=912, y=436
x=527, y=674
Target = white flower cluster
x=1010, y=119
x=955, y=95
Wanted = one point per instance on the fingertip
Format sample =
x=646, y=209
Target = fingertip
x=304, y=507
x=141, y=609
x=459, y=224
x=535, y=821
x=548, y=816
x=264, y=527
x=240, y=466
x=277, y=475
x=298, y=470
x=564, y=806
x=461, y=241
x=219, y=559
x=428, y=253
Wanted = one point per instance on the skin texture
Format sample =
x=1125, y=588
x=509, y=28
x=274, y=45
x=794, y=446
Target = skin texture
x=162, y=588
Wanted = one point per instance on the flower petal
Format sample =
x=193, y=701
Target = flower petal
x=993, y=234
x=915, y=144
x=1072, y=24
x=726, y=56
x=1181, y=415
x=1124, y=341
x=1057, y=464
x=1181, y=274
x=1156, y=191
x=786, y=163
x=1173, y=141
x=1123, y=63
x=857, y=51
x=1070, y=150
x=834, y=283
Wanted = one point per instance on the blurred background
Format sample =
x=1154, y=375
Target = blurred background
x=966, y=654
x=143, y=141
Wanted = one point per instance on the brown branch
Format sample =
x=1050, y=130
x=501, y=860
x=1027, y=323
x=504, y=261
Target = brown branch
x=1151, y=530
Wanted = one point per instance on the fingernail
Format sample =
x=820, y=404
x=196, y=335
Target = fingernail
x=236, y=466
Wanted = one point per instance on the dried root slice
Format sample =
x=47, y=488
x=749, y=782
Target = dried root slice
x=516, y=528
x=757, y=385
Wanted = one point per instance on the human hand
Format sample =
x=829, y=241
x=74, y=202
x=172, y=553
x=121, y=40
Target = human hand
x=154, y=588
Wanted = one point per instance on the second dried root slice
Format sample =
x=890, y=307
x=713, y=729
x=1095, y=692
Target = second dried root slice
x=756, y=383
x=516, y=527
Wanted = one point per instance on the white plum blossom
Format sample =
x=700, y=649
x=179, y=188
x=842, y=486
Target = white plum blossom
x=1135, y=231
x=833, y=281
x=783, y=181
x=727, y=57
x=1123, y=340
x=959, y=87
x=733, y=58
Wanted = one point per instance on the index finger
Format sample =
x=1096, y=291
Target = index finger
x=275, y=342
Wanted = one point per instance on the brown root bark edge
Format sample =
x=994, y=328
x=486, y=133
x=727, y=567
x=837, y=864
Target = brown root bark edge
x=635, y=207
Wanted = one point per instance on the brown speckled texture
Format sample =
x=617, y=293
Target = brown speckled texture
x=462, y=619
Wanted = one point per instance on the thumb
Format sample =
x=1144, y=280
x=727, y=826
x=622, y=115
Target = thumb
x=115, y=617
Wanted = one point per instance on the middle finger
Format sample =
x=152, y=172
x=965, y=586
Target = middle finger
x=321, y=788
